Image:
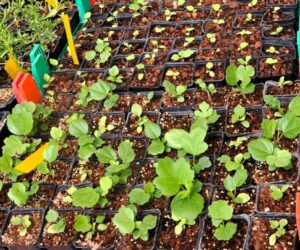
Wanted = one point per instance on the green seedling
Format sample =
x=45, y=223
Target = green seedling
x=253, y=3
x=182, y=54
x=20, y=192
x=279, y=226
x=274, y=103
x=57, y=224
x=100, y=54
x=238, y=142
x=23, y=222
x=169, y=14
x=239, y=116
x=188, y=41
x=277, y=31
x=211, y=37
x=209, y=89
x=242, y=46
x=174, y=73
x=271, y=61
x=175, y=91
x=83, y=224
x=272, y=50
x=278, y=192
x=282, y=82
x=206, y=113
x=209, y=69
x=141, y=196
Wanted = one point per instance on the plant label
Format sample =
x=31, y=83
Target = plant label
x=53, y=3
x=32, y=161
x=12, y=68
x=70, y=38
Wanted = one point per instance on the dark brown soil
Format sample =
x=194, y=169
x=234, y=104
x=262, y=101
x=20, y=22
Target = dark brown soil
x=282, y=67
x=136, y=48
x=261, y=231
x=135, y=33
x=217, y=99
x=142, y=99
x=70, y=150
x=168, y=32
x=263, y=175
x=184, y=77
x=117, y=198
x=214, y=141
x=159, y=59
x=61, y=168
x=146, y=172
x=122, y=104
x=167, y=239
x=290, y=89
x=159, y=45
x=231, y=150
x=60, y=103
x=117, y=120
x=94, y=170
x=201, y=72
x=209, y=242
x=3, y=214
x=170, y=102
x=186, y=30
x=62, y=83
x=60, y=239
x=246, y=208
x=170, y=120
x=254, y=117
x=12, y=237
x=212, y=54
x=142, y=20
x=187, y=43
x=103, y=239
x=253, y=99
x=285, y=205
x=219, y=125
x=151, y=77
x=122, y=63
x=4, y=200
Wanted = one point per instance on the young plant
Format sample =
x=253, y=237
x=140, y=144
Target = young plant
x=57, y=225
x=239, y=116
x=182, y=54
x=274, y=103
x=240, y=78
x=169, y=14
x=101, y=54
x=174, y=73
x=119, y=162
x=264, y=150
x=175, y=91
x=250, y=18
x=209, y=89
x=238, y=142
x=188, y=41
x=23, y=222
x=114, y=75
x=157, y=46
x=278, y=192
x=242, y=46
x=159, y=29
x=211, y=37
x=209, y=69
x=221, y=214
x=20, y=192
x=282, y=82
x=206, y=113
x=177, y=179
x=253, y=3
x=148, y=98
x=130, y=58
x=126, y=222
x=83, y=224
x=141, y=196
x=271, y=61
x=277, y=32
x=141, y=71
x=272, y=50
x=231, y=183
x=279, y=226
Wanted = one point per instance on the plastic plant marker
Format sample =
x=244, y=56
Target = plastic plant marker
x=12, y=68
x=298, y=211
x=53, y=3
x=25, y=88
x=32, y=161
x=39, y=65
x=83, y=6
x=70, y=38
x=92, y=2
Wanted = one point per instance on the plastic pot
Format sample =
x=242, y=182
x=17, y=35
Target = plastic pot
x=187, y=79
x=200, y=68
x=273, y=88
x=10, y=101
x=142, y=99
x=191, y=59
x=35, y=234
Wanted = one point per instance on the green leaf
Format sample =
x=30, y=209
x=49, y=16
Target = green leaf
x=220, y=211
x=90, y=55
x=171, y=175
x=294, y=106
x=225, y=232
x=194, y=142
x=78, y=127
x=106, y=155
x=152, y=130
x=156, y=147
x=260, y=149
x=136, y=109
x=58, y=227
x=18, y=194
x=124, y=220
x=272, y=101
x=126, y=152
x=114, y=71
x=105, y=184
x=188, y=208
x=52, y=216
x=14, y=145
x=86, y=151
x=242, y=198
x=174, y=138
x=138, y=196
x=85, y=197
x=99, y=91
x=269, y=128
x=231, y=75
x=20, y=122
x=82, y=223
x=290, y=125
x=51, y=152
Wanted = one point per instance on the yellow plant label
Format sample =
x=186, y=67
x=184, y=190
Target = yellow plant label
x=12, y=68
x=32, y=161
x=70, y=39
x=53, y=3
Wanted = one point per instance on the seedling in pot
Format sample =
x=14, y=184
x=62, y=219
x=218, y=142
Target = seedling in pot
x=250, y=18
x=240, y=77
x=264, y=150
x=209, y=89
x=238, y=142
x=253, y=3
x=279, y=226
x=169, y=14
x=138, y=6
x=57, y=224
x=119, y=162
x=206, y=113
x=271, y=61
x=209, y=69
x=282, y=82
x=277, y=31
x=113, y=19
x=130, y=58
x=182, y=54
x=278, y=192
x=239, y=116
x=272, y=50
x=188, y=41
x=186, y=203
x=114, y=75
x=173, y=73
x=141, y=196
x=221, y=214
x=274, y=103
x=126, y=222
x=175, y=91
x=211, y=37
x=231, y=183
x=20, y=192
x=101, y=54
x=242, y=46
x=83, y=224
x=23, y=222
x=141, y=69
x=159, y=29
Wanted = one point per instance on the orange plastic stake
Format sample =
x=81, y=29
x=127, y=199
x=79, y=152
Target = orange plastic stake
x=298, y=212
x=53, y=3
x=12, y=68
x=92, y=2
x=25, y=89
x=70, y=38
x=32, y=161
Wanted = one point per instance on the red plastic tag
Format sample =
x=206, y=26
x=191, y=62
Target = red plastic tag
x=298, y=212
